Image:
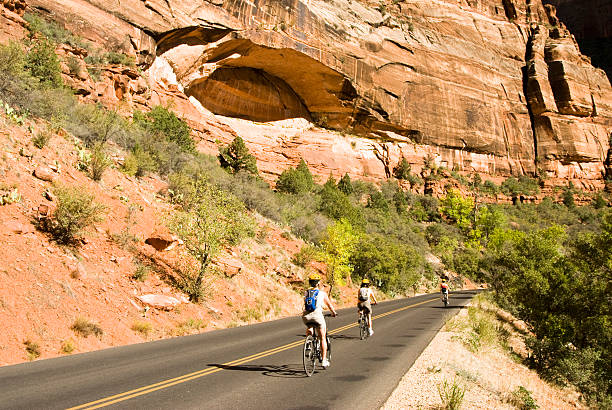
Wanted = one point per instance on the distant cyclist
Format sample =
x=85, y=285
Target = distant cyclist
x=314, y=302
x=365, y=296
x=444, y=288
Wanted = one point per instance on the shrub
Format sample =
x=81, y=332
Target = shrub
x=113, y=57
x=189, y=326
x=457, y=208
x=144, y=328
x=295, y=181
x=51, y=30
x=41, y=139
x=402, y=169
x=141, y=273
x=336, y=205
x=236, y=157
x=451, y=394
x=85, y=328
x=521, y=398
x=32, y=349
x=306, y=255
x=337, y=248
x=138, y=163
x=162, y=121
x=344, y=185
x=76, y=210
x=98, y=162
x=215, y=218
x=43, y=64
x=67, y=346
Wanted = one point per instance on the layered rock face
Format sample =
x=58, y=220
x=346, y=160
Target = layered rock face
x=591, y=22
x=489, y=86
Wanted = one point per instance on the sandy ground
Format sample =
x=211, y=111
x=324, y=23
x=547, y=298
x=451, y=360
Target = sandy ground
x=489, y=376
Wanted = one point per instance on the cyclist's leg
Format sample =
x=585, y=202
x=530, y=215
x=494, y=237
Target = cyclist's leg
x=322, y=332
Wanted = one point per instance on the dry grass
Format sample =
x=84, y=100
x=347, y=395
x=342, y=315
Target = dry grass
x=85, y=328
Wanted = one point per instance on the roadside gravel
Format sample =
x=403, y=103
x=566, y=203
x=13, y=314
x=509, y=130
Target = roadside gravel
x=489, y=376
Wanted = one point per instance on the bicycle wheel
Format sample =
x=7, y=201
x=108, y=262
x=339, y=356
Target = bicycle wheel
x=309, y=356
x=446, y=300
x=363, y=328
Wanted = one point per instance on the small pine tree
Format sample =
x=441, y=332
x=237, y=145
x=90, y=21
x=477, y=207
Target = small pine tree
x=296, y=181
x=345, y=185
x=43, y=64
x=236, y=157
x=402, y=169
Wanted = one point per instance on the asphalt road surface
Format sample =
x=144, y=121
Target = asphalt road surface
x=250, y=367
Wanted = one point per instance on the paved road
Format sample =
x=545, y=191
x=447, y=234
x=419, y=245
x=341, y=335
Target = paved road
x=250, y=367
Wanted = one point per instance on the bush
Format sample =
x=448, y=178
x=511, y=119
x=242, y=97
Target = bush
x=32, y=349
x=68, y=346
x=402, y=169
x=141, y=273
x=113, y=57
x=215, y=218
x=98, y=162
x=295, y=181
x=76, y=210
x=138, y=163
x=162, y=121
x=236, y=157
x=344, y=185
x=51, y=30
x=521, y=398
x=451, y=394
x=306, y=255
x=41, y=139
x=144, y=328
x=85, y=328
x=43, y=64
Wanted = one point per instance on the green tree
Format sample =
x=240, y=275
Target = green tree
x=391, y=266
x=236, y=157
x=378, y=201
x=162, y=121
x=402, y=169
x=345, y=185
x=457, y=208
x=43, y=64
x=295, y=181
x=217, y=218
x=337, y=247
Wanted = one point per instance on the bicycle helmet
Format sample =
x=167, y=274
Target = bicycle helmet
x=313, y=279
x=443, y=280
x=365, y=282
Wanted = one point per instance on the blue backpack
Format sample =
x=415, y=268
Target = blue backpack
x=310, y=301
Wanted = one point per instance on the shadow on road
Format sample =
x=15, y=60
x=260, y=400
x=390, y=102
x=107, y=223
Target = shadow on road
x=341, y=336
x=285, y=370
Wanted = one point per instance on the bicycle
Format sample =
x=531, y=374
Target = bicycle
x=445, y=298
x=312, y=351
x=364, y=329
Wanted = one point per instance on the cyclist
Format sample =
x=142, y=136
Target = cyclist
x=313, y=314
x=444, y=288
x=364, y=296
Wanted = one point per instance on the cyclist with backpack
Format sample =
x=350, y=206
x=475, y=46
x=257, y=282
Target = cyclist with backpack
x=444, y=290
x=314, y=301
x=365, y=296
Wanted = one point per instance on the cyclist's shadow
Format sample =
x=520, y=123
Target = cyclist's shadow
x=284, y=370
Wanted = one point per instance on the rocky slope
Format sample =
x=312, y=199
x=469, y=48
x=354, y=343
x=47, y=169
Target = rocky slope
x=490, y=86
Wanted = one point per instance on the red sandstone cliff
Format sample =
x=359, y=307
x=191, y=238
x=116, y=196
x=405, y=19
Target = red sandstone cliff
x=490, y=86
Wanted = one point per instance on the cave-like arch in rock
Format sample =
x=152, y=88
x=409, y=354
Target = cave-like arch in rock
x=248, y=93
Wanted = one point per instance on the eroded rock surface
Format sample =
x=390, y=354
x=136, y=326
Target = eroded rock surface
x=491, y=86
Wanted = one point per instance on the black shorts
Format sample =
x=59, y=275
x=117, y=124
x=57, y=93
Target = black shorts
x=365, y=305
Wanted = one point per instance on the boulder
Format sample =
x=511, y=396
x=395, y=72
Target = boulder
x=162, y=302
x=230, y=266
x=18, y=227
x=163, y=241
x=45, y=173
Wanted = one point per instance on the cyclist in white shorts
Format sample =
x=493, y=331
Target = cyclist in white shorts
x=316, y=299
x=365, y=298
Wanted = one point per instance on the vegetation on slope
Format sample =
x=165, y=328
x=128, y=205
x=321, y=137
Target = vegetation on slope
x=548, y=263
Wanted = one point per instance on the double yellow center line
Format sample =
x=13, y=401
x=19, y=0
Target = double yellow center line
x=107, y=401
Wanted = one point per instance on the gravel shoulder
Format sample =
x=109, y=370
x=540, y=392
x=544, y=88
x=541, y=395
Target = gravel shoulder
x=489, y=375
